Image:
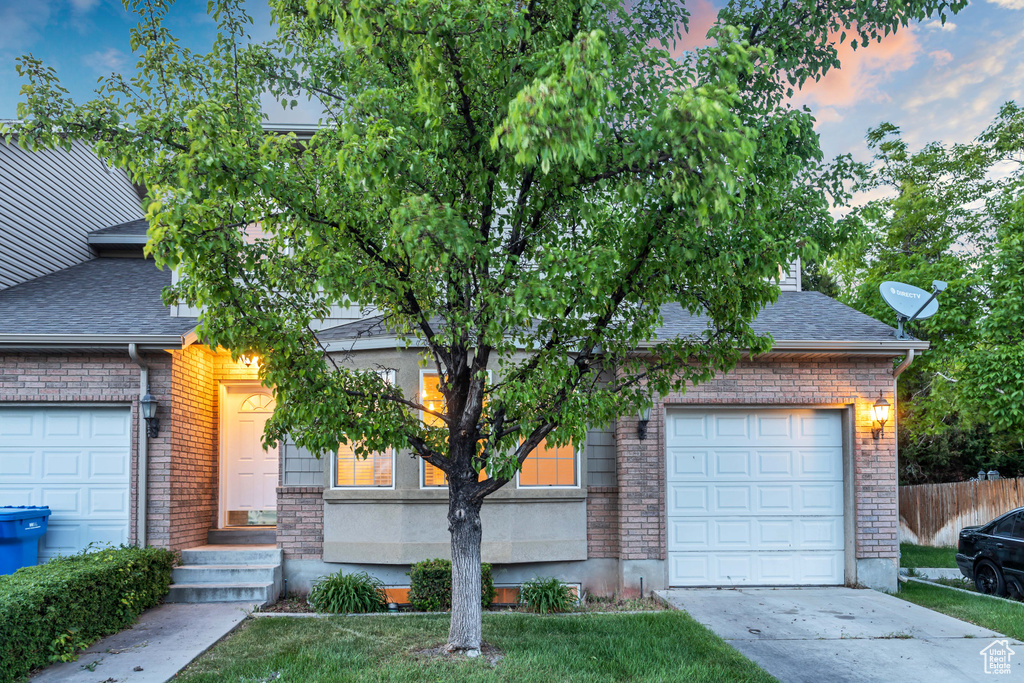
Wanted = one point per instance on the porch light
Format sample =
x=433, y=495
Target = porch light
x=881, y=413
x=249, y=358
x=644, y=415
x=148, y=405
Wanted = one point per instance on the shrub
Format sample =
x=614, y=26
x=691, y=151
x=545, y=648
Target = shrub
x=347, y=593
x=50, y=611
x=430, y=585
x=547, y=595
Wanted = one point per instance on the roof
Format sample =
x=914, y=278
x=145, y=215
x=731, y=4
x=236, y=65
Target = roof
x=797, y=321
x=132, y=232
x=801, y=316
x=104, y=296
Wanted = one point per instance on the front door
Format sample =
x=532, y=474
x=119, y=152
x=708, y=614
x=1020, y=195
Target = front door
x=249, y=472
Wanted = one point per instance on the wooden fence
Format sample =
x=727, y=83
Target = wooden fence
x=933, y=514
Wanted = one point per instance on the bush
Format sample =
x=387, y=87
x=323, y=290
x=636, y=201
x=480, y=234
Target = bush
x=430, y=588
x=51, y=611
x=347, y=593
x=547, y=595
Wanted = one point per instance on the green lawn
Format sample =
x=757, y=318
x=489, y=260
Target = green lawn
x=657, y=646
x=914, y=556
x=1003, y=616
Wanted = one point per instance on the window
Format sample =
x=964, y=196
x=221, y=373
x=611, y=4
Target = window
x=352, y=471
x=433, y=399
x=549, y=466
x=1004, y=527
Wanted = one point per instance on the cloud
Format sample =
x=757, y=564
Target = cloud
x=941, y=57
x=22, y=23
x=961, y=80
x=106, y=61
x=82, y=6
x=936, y=25
x=702, y=17
x=826, y=115
x=862, y=71
x=1009, y=4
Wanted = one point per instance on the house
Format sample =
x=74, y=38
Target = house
x=774, y=474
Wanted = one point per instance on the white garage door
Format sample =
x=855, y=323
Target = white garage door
x=755, y=498
x=76, y=460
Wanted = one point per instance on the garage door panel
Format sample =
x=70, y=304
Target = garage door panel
x=731, y=464
x=685, y=499
x=15, y=464
x=76, y=460
x=755, y=498
x=688, y=464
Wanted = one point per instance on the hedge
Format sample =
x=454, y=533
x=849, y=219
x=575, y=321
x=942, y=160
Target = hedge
x=430, y=588
x=49, y=612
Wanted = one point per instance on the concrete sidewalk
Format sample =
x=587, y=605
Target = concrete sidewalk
x=842, y=634
x=161, y=644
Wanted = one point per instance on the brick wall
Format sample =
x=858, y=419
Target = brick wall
x=100, y=378
x=602, y=521
x=300, y=522
x=858, y=382
x=194, y=483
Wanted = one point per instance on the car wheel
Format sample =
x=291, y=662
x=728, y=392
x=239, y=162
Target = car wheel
x=988, y=579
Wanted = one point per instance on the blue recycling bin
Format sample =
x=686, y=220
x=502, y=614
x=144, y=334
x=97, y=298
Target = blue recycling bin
x=20, y=531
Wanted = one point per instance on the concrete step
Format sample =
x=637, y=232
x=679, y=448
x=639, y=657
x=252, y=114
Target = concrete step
x=256, y=593
x=227, y=573
x=242, y=536
x=246, y=555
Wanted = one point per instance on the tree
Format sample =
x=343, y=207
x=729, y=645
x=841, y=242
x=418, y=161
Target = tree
x=515, y=186
x=952, y=213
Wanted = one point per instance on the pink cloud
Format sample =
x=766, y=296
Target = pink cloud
x=702, y=17
x=941, y=57
x=862, y=71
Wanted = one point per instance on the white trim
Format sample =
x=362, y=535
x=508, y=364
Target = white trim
x=162, y=341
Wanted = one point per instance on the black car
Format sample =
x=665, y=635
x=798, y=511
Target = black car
x=992, y=555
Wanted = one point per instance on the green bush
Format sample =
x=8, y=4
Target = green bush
x=347, y=593
x=547, y=595
x=51, y=611
x=430, y=585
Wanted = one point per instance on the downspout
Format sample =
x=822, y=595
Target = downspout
x=897, y=371
x=141, y=495
x=904, y=365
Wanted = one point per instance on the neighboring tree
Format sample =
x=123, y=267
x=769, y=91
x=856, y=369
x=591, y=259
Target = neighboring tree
x=951, y=213
x=516, y=186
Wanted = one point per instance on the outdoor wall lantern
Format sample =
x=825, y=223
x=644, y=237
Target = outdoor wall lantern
x=249, y=358
x=881, y=414
x=644, y=415
x=148, y=404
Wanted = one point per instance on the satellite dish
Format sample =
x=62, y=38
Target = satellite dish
x=910, y=302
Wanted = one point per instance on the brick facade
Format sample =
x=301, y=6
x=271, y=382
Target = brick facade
x=856, y=382
x=300, y=522
x=194, y=441
x=603, y=521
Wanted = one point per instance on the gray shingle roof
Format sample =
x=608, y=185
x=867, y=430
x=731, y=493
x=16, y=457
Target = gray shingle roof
x=796, y=316
x=136, y=227
x=101, y=296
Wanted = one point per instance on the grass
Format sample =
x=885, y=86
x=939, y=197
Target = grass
x=1003, y=616
x=658, y=646
x=916, y=556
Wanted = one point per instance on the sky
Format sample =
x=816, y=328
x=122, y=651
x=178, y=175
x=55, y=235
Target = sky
x=936, y=82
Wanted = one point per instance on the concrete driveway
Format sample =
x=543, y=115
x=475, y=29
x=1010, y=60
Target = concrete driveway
x=843, y=634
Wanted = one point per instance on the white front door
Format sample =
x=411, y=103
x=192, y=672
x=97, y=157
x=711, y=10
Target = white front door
x=250, y=472
x=755, y=497
x=74, y=459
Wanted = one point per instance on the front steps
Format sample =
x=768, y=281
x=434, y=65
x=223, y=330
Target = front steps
x=242, y=535
x=228, y=573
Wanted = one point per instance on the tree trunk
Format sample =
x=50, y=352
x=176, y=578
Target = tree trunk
x=465, y=633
